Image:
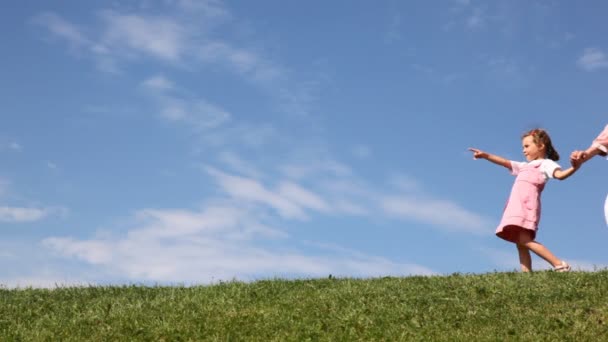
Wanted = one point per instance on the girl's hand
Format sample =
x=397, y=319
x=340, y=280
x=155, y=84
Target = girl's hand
x=576, y=162
x=578, y=156
x=478, y=154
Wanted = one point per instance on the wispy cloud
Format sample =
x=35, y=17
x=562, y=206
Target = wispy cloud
x=171, y=38
x=159, y=37
x=211, y=9
x=592, y=59
x=217, y=243
x=184, y=38
x=314, y=166
x=254, y=136
x=158, y=83
x=21, y=214
x=393, y=32
x=477, y=19
x=465, y=14
x=201, y=114
x=10, y=146
x=240, y=61
x=197, y=113
x=442, y=213
x=242, y=188
x=61, y=28
x=213, y=243
x=15, y=146
x=214, y=125
x=239, y=165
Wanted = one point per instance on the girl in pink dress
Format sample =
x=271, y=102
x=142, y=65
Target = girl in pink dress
x=522, y=212
x=599, y=146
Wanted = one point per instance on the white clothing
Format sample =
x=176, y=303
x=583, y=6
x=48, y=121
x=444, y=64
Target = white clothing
x=547, y=167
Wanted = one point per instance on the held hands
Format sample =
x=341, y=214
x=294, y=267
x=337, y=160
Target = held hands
x=478, y=154
x=577, y=158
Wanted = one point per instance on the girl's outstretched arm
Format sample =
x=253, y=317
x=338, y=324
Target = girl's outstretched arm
x=479, y=154
x=563, y=174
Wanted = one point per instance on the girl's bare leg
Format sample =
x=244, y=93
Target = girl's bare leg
x=525, y=260
x=525, y=239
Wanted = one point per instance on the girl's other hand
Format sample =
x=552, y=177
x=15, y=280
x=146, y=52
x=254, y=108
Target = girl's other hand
x=478, y=154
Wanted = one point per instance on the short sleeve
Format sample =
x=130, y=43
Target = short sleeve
x=548, y=167
x=515, y=167
x=601, y=142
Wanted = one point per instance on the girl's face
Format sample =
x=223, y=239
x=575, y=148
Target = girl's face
x=531, y=150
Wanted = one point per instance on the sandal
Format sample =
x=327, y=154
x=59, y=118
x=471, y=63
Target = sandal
x=564, y=267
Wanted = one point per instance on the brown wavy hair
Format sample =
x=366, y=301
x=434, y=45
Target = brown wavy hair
x=540, y=136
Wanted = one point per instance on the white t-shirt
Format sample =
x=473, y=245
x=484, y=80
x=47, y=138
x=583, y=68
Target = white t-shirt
x=547, y=167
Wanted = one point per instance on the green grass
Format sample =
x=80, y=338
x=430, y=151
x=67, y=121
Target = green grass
x=543, y=306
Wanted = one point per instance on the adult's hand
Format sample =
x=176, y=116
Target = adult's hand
x=578, y=156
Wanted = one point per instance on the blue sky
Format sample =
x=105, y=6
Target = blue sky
x=187, y=142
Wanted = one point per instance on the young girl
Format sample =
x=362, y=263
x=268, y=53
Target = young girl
x=521, y=215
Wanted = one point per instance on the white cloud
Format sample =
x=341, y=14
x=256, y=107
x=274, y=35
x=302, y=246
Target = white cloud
x=183, y=38
x=251, y=190
x=212, y=245
x=171, y=38
x=441, y=213
x=243, y=134
x=238, y=164
x=314, y=167
x=94, y=252
x=393, y=32
x=159, y=37
x=592, y=59
x=158, y=83
x=24, y=214
x=404, y=183
x=15, y=146
x=347, y=207
x=61, y=28
x=240, y=61
x=211, y=9
x=303, y=197
x=477, y=19
x=19, y=214
x=199, y=113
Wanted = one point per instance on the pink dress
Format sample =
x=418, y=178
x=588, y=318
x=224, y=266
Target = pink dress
x=522, y=210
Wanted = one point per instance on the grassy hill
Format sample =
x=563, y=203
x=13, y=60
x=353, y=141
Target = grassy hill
x=543, y=306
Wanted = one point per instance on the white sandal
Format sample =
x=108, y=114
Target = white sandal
x=564, y=267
